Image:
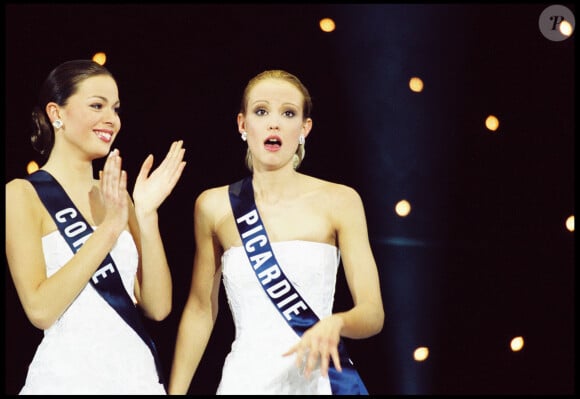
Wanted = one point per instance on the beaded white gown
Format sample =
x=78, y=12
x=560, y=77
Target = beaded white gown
x=90, y=349
x=255, y=364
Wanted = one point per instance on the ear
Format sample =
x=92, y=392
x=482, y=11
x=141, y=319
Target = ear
x=241, y=123
x=52, y=110
x=306, y=127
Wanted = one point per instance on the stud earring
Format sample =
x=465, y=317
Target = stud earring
x=301, y=139
x=244, y=136
x=57, y=124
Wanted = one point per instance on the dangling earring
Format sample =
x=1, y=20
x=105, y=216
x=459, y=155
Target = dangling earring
x=301, y=139
x=57, y=124
x=244, y=136
x=295, y=161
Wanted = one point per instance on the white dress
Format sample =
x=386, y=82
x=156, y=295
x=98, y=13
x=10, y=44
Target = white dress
x=90, y=349
x=255, y=364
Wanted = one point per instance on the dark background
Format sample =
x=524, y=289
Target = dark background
x=483, y=256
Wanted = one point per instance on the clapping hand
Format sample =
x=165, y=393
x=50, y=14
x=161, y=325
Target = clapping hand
x=152, y=189
x=110, y=201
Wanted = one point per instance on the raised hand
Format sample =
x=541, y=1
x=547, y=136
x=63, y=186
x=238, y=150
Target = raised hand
x=151, y=190
x=112, y=200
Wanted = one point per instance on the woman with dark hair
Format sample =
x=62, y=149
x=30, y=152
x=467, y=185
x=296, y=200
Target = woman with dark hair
x=87, y=258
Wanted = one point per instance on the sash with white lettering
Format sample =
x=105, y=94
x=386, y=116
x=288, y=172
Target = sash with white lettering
x=286, y=299
x=75, y=230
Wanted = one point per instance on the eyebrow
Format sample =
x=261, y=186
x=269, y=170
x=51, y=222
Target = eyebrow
x=268, y=102
x=105, y=99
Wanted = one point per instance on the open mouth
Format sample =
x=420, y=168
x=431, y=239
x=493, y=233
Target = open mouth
x=273, y=143
x=104, y=135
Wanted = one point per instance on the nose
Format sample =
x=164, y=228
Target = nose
x=273, y=123
x=111, y=117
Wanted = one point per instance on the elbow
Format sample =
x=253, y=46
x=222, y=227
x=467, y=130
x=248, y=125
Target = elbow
x=40, y=319
x=376, y=322
x=40, y=324
x=157, y=316
x=160, y=313
x=380, y=322
x=163, y=315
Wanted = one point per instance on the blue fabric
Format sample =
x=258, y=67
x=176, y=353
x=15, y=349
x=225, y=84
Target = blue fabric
x=286, y=299
x=75, y=230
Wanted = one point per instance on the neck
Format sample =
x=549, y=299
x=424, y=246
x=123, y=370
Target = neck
x=70, y=171
x=271, y=186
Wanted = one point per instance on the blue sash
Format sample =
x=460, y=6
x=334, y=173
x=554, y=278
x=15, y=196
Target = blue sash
x=75, y=230
x=286, y=299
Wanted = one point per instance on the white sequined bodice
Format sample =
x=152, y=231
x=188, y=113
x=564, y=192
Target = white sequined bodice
x=90, y=349
x=255, y=364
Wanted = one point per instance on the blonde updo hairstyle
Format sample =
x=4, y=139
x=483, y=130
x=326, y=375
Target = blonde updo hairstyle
x=306, y=106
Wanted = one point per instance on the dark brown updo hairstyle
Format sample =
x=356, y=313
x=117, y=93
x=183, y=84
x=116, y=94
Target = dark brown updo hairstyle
x=61, y=83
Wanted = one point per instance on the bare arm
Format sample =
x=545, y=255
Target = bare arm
x=43, y=298
x=201, y=308
x=154, y=286
x=366, y=317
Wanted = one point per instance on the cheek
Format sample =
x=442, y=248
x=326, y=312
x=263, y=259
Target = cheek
x=88, y=118
x=253, y=124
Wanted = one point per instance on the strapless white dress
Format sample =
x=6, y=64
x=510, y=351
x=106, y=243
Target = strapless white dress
x=255, y=364
x=90, y=349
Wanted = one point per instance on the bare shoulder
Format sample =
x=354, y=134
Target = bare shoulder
x=212, y=196
x=212, y=201
x=213, y=216
x=23, y=205
x=335, y=193
x=19, y=191
x=16, y=184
